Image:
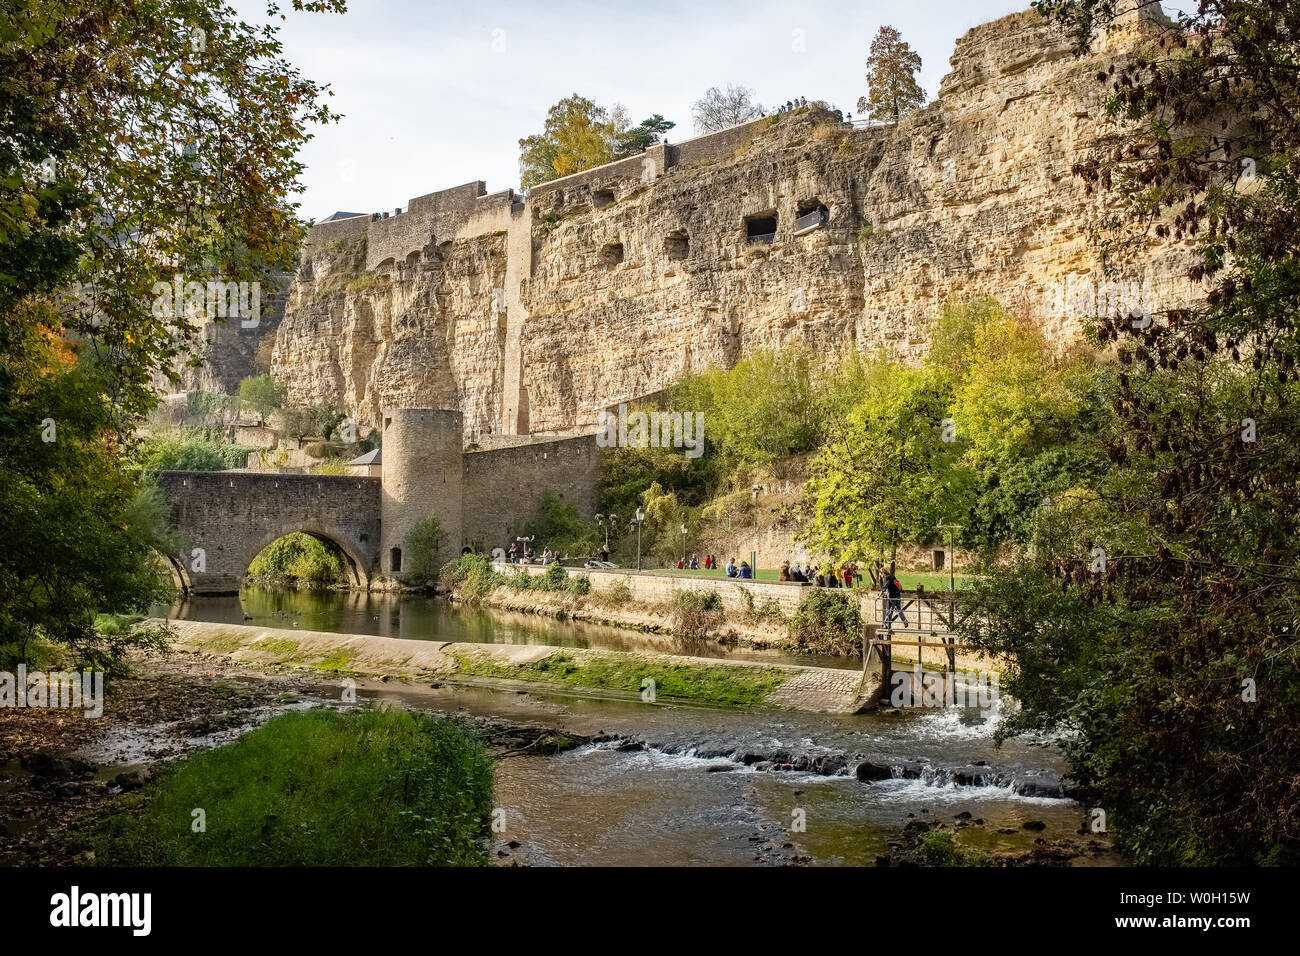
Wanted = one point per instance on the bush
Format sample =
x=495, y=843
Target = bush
x=559, y=527
x=189, y=451
x=471, y=576
x=422, y=546
x=298, y=559
x=769, y=610
x=617, y=594
x=316, y=788
x=827, y=622
x=695, y=613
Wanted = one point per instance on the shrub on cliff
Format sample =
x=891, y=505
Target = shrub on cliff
x=827, y=622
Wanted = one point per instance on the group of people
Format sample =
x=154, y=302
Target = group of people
x=742, y=570
x=799, y=102
x=825, y=577
x=710, y=563
x=526, y=555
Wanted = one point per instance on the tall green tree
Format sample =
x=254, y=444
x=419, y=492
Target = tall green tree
x=140, y=144
x=1154, y=620
x=263, y=394
x=892, y=90
x=893, y=473
x=580, y=135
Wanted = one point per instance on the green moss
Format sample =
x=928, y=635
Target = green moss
x=362, y=283
x=224, y=642
x=673, y=679
x=277, y=645
x=337, y=661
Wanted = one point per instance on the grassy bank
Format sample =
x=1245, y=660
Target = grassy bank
x=686, y=681
x=316, y=788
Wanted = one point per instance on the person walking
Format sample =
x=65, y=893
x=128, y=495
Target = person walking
x=892, y=593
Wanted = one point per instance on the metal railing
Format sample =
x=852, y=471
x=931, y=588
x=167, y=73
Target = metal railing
x=763, y=237
x=813, y=220
x=922, y=612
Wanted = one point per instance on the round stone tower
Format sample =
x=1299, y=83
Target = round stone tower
x=422, y=471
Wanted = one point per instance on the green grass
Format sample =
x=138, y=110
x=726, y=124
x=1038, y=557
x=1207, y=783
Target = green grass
x=936, y=581
x=687, y=681
x=277, y=645
x=315, y=788
x=764, y=574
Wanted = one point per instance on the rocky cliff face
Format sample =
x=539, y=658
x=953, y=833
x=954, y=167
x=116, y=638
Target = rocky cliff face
x=613, y=283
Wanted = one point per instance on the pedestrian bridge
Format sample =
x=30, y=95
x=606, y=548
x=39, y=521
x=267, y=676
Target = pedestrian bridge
x=225, y=518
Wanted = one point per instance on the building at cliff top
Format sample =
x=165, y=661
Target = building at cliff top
x=531, y=315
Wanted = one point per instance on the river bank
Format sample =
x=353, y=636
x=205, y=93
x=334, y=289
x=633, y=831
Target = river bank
x=645, y=675
x=581, y=779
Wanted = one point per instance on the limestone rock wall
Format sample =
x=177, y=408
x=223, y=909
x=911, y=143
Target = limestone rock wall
x=613, y=283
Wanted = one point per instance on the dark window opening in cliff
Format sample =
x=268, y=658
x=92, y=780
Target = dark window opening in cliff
x=812, y=215
x=413, y=259
x=602, y=198
x=677, y=245
x=760, y=228
x=611, y=255
x=395, y=560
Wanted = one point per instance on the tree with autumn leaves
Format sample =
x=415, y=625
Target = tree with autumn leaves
x=580, y=135
x=140, y=143
x=892, y=90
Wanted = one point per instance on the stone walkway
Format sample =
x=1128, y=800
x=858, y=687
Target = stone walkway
x=824, y=689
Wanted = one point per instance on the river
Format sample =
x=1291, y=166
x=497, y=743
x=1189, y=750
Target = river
x=683, y=785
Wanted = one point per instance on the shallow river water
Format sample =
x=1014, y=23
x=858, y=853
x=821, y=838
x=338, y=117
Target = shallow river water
x=683, y=784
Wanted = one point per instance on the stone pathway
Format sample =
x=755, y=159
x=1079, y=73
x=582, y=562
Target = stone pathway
x=823, y=689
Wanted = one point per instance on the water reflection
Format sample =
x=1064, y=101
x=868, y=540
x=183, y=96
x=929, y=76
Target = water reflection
x=418, y=617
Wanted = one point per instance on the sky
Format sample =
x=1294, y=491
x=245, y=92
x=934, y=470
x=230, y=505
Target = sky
x=439, y=93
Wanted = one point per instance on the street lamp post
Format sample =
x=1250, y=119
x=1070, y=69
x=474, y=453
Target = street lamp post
x=683, y=542
x=607, y=521
x=952, y=530
x=640, y=516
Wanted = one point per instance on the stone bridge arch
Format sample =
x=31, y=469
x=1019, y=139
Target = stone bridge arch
x=231, y=516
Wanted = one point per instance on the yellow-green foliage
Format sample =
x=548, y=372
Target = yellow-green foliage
x=298, y=558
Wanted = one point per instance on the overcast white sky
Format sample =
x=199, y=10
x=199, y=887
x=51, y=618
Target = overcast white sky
x=438, y=93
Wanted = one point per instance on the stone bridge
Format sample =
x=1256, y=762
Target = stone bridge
x=481, y=500
x=226, y=518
